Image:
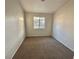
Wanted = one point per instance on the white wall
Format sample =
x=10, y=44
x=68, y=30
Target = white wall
x=41, y=32
x=63, y=25
x=14, y=23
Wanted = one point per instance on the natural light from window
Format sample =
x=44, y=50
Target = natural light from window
x=39, y=22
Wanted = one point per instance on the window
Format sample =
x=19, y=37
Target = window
x=39, y=22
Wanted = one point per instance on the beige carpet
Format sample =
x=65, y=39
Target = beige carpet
x=42, y=48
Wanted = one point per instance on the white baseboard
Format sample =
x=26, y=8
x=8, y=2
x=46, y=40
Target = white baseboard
x=14, y=49
x=64, y=43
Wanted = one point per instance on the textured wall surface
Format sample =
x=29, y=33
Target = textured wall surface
x=41, y=32
x=14, y=23
x=63, y=25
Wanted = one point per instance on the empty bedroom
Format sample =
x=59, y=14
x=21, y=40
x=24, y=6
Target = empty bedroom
x=39, y=29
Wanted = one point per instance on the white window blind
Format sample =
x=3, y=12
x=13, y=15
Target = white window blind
x=39, y=22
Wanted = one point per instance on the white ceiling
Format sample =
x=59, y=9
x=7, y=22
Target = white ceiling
x=48, y=6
